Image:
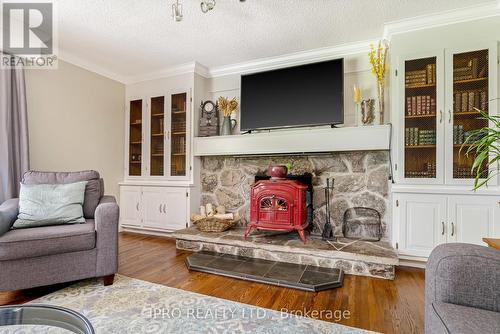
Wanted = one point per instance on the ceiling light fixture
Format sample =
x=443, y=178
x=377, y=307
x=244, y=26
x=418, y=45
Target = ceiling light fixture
x=177, y=11
x=207, y=5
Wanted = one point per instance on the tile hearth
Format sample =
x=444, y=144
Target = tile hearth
x=374, y=259
x=291, y=275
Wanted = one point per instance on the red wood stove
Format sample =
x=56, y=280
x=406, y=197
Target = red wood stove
x=278, y=204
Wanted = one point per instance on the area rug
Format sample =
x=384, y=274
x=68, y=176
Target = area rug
x=135, y=306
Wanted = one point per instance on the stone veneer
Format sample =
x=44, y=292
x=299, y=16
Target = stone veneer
x=361, y=179
x=373, y=259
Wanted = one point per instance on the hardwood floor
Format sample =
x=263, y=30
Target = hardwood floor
x=374, y=304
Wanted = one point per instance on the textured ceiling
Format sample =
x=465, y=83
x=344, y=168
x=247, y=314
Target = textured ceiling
x=130, y=37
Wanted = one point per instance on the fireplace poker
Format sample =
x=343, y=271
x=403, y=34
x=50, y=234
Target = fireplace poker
x=327, y=229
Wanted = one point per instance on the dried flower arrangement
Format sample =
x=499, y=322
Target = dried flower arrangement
x=227, y=106
x=378, y=57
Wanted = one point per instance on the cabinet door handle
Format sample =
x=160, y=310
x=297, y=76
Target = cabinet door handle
x=440, y=116
x=137, y=206
x=442, y=228
x=159, y=208
x=452, y=229
x=164, y=208
x=449, y=114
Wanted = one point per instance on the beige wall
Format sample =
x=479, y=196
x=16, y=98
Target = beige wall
x=76, y=122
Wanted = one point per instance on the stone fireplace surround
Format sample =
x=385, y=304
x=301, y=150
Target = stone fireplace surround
x=361, y=179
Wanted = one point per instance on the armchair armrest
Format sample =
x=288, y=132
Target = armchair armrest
x=463, y=274
x=106, y=226
x=8, y=214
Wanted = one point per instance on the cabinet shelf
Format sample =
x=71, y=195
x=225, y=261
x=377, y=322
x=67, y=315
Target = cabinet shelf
x=180, y=133
x=420, y=86
x=135, y=162
x=158, y=155
x=136, y=142
x=158, y=115
x=420, y=146
x=466, y=113
x=157, y=135
x=475, y=80
x=136, y=123
x=179, y=154
x=420, y=116
x=179, y=112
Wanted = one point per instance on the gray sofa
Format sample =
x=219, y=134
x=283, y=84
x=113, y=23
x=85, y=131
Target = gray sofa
x=462, y=290
x=54, y=254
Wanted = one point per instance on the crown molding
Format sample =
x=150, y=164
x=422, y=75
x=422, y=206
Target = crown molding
x=471, y=13
x=291, y=59
x=90, y=66
x=191, y=67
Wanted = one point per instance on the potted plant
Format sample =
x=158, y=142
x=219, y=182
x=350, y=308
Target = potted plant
x=485, y=144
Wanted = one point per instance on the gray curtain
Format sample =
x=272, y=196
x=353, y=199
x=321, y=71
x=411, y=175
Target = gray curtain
x=14, y=154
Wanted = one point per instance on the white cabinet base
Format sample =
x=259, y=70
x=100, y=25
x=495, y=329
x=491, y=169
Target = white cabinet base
x=154, y=208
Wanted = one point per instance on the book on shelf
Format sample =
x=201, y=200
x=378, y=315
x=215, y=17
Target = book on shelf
x=464, y=101
x=484, y=100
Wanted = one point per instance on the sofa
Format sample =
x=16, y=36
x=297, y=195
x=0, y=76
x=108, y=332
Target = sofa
x=462, y=290
x=40, y=256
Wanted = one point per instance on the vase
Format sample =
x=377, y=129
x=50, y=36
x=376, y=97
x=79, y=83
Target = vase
x=228, y=125
x=277, y=172
x=381, y=101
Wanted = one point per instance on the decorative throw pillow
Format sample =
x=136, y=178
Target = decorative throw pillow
x=50, y=204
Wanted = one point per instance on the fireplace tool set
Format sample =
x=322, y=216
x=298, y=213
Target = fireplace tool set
x=328, y=229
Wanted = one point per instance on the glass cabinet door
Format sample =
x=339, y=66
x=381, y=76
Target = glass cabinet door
x=157, y=139
x=470, y=95
x=135, y=138
x=420, y=119
x=178, y=134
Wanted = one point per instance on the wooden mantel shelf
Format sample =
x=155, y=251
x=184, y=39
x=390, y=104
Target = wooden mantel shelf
x=311, y=140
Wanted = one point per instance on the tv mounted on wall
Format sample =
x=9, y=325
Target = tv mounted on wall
x=305, y=95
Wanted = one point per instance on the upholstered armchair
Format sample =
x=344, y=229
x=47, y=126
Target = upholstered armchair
x=48, y=255
x=462, y=290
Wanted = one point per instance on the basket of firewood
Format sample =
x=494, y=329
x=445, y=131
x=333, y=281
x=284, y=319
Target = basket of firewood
x=214, y=219
x=213, y=224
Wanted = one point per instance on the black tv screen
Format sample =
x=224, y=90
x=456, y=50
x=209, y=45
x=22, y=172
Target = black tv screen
x=303, y=95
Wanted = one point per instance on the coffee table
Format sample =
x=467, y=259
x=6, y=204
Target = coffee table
x=45, y=315
x=493, y=243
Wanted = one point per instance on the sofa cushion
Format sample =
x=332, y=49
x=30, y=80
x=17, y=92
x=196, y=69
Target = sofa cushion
x=93, y=191
x=47, y=240
x=50, y=204
x=465, y=319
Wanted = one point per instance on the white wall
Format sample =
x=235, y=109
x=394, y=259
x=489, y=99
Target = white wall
x=76, y=122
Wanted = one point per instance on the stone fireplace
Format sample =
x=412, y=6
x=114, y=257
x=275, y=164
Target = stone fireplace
x=361, y=179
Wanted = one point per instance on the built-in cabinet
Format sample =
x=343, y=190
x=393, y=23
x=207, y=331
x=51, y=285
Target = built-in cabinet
x=159, y=184
x=430, y=220
x=158, y=136
x=164, y=209
x=439, y=94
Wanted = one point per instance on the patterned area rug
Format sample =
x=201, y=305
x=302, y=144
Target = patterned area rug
x=135, y=306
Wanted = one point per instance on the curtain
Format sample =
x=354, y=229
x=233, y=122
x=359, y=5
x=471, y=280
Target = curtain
x=14, y=154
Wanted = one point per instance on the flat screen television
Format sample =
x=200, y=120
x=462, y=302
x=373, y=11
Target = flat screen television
x=304, y=95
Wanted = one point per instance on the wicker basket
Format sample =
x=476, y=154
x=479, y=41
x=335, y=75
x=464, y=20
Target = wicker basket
x=214, y=224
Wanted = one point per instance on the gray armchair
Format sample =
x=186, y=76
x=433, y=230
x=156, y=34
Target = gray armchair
x=462, y=290
x=48, y=255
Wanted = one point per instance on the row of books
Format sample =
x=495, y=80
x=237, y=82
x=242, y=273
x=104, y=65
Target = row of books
x=468, y=100
x=420, y=105
x=472, y=70
x=178, y=144
x=421, y=77
x=179, y=126
x=417, y=137
x=429, y=171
